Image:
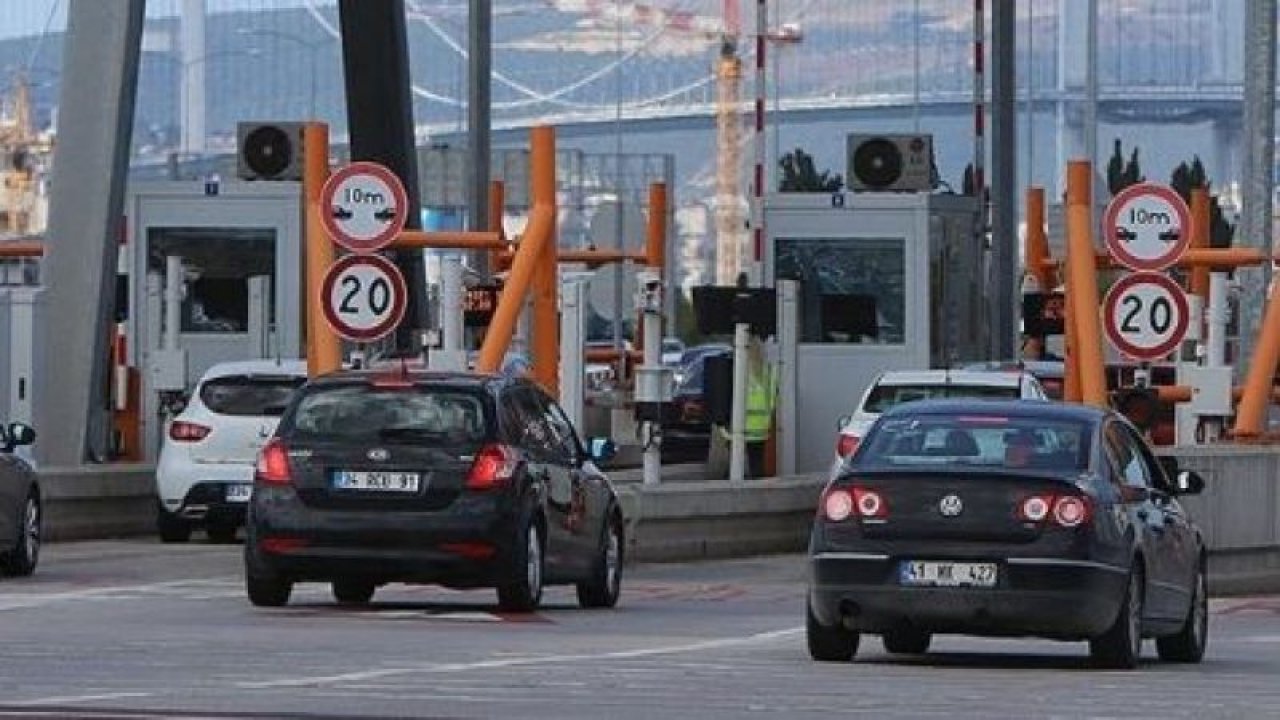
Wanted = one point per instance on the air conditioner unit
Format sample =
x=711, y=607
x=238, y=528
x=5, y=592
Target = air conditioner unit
x=269, y=150
x=890, y=163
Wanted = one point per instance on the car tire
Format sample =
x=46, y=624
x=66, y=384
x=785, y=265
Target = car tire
x=1121, y=645
x=265, y=586
x=172, y=528
x=829, y=643
x=521, y=590
x=906, y=641
x=353, y=592
x=604, y=587
x=222, y=532
x=1188, y=644
x=22, y=560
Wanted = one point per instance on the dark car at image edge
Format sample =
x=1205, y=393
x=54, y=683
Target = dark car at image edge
x=1007, y=518
x=459, y=479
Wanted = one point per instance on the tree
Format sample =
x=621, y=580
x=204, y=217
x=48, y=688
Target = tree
x=800, y=175
x=1187, y=177
x=1120, y=174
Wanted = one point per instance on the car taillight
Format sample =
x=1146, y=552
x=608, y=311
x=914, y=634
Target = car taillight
x=870, y=503
x=1066, y=511
x=493, y=467
x=840, y=504
x=837, y=505
x=273, y=464
x=847, y=445
x=183, y=431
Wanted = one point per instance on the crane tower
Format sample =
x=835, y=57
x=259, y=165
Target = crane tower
x=730, y=225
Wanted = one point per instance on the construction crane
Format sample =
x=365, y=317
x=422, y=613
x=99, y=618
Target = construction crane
x=730, y=225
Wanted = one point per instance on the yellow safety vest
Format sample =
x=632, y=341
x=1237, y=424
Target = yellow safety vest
x=761, y=387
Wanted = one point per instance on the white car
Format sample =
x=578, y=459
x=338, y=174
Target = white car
x=205, y=472
x=899, y=386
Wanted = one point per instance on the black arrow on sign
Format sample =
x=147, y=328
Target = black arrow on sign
x=1170, y=236
x=385, y=214
x=342, y=213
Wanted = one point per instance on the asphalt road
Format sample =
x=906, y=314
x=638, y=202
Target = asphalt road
x=135, y=629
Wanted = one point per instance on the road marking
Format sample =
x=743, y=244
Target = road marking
x=70, y=699
x=1260, y=639
x=20, y=601
x=523, y=662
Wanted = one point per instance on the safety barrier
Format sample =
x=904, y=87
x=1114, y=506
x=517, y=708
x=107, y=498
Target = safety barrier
x=685, y=518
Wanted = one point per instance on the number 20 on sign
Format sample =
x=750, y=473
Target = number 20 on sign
x=1145, y=315
x=363, y=297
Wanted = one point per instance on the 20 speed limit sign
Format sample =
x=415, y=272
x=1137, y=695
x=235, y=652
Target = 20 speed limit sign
x=1145, y=315
x=363, y=297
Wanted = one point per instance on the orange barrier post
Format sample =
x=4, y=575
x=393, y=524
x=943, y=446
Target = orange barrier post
x=1200, y=217
x=1251, y=412
x=656, y=240
x=449, y=239
x=1036, y=244
x=1083, y=297
x=546, y=319
x=497, y=209
x=1071, y=364
x=529, y=253
x=324, y=354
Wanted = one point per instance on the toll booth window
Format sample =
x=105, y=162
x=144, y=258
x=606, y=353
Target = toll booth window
x=852, y=290
x=217, y=265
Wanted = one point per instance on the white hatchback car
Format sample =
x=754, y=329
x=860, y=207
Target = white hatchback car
x=205, y=472
x=899, y=386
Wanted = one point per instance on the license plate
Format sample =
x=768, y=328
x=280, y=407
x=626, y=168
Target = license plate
x=377, y=480
x=239, y=493
x=947, y=574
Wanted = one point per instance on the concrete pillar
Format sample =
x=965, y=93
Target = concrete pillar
x=192, y=56
x=95, y=121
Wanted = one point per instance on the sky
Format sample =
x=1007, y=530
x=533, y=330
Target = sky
x=30, y=17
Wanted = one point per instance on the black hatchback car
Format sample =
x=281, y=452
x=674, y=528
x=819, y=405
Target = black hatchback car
x=460, y=479
x=1007, y=518
x=20, y=510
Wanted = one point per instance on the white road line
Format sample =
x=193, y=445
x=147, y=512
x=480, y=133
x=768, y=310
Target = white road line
x=1259, y=639
x=19, y=601
x=70, y=699
x=521, y=662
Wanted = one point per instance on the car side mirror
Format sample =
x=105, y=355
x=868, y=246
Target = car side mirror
x=1188, y=482
x=18, y=434
x=844, y=420
x=601, y=449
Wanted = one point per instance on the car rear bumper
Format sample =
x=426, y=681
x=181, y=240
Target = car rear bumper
x=1049, y=597
x=468, y=544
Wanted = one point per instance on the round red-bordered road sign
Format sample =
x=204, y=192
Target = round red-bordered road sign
x=363, y=207
x=1145, y=315
x=1147, y=227
x=363, y=297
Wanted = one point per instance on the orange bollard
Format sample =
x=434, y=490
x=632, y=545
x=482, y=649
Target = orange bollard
x=324, y=354
x=1200, y=217
x=1083, y=287
x=1036, y=244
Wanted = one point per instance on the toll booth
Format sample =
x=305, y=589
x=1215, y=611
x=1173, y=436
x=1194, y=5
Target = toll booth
x=886, y=280
x=21, y=322
x=213, y=274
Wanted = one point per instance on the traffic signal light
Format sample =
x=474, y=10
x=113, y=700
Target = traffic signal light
x=269, y=150
x=1140, y=405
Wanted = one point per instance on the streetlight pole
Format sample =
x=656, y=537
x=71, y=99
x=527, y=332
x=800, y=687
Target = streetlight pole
x=184, y=67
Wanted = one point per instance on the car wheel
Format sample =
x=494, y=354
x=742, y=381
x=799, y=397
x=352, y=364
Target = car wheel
x=907, y=641
x=25, y=555
x=604, y=586
x=353, y=592
x=265, y=586
x=522, y=589
x=1121, y=645
x=172, y=528
x=1188, y=644
x=222, y=532
x=828, y=643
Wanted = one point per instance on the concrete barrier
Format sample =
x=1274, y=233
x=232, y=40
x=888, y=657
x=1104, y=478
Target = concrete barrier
x=686, y=518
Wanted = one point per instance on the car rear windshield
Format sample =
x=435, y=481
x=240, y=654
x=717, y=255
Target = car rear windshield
x=883, y=397
x=249, y=394
x=979, y=440
x=418, y=415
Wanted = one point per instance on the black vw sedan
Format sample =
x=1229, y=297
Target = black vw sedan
x=1007, y=518
x=459, y=479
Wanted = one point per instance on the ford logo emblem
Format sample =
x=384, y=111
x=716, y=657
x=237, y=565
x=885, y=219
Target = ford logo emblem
x=951, y=506
x=378, y=454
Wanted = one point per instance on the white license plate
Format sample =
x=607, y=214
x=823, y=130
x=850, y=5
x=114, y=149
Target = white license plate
x=947, y=574
x=239, y=493
x=380, y=480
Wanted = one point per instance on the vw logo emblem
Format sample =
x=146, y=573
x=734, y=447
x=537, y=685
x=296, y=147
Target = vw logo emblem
x=378, y=454
x=951, y=506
